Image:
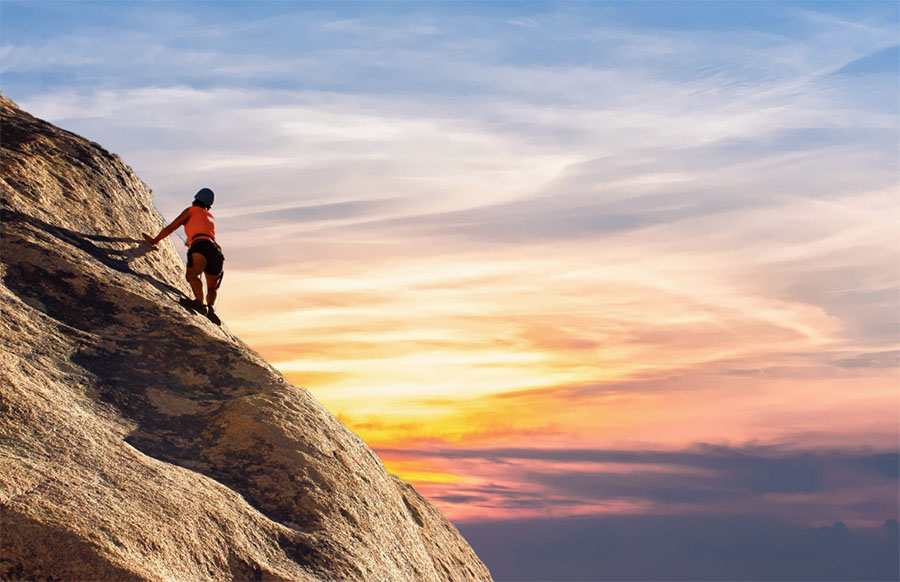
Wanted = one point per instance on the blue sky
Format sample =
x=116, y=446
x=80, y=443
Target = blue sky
x=516, y=218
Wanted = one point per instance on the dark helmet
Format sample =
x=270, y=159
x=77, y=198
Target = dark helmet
x=205, y=196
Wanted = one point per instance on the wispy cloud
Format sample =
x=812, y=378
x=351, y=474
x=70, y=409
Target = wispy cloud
x=802, y=485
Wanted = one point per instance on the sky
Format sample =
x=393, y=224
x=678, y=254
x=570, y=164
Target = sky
x=581, y=271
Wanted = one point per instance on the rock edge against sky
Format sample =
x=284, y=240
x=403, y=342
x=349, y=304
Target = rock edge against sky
x=141, y=442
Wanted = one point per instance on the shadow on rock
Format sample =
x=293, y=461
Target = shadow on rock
x=117, y=259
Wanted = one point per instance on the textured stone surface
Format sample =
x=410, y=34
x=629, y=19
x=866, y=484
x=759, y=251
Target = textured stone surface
x=138, y=441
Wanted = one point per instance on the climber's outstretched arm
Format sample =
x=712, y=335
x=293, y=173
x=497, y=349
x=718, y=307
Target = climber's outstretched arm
x=182, y=218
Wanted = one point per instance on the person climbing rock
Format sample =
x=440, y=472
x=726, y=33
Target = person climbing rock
x=204, y=254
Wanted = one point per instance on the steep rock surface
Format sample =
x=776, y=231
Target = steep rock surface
x=139, y=441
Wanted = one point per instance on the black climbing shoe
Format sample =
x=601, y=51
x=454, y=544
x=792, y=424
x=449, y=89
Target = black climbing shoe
x=193, y=305
x=212, y=316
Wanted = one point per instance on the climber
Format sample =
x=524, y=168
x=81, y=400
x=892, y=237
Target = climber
x=203, y=256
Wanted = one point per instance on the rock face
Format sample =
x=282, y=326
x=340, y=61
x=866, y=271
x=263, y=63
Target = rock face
x=139, y=441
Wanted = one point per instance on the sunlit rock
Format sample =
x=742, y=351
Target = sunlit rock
x=139, y=441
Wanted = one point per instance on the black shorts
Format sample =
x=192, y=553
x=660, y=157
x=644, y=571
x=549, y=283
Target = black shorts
x=215, y=260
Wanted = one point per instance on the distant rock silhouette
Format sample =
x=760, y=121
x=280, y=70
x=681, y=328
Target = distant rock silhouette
x=142, y=442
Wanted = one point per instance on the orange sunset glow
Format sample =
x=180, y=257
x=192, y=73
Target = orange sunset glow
x=589, y=344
